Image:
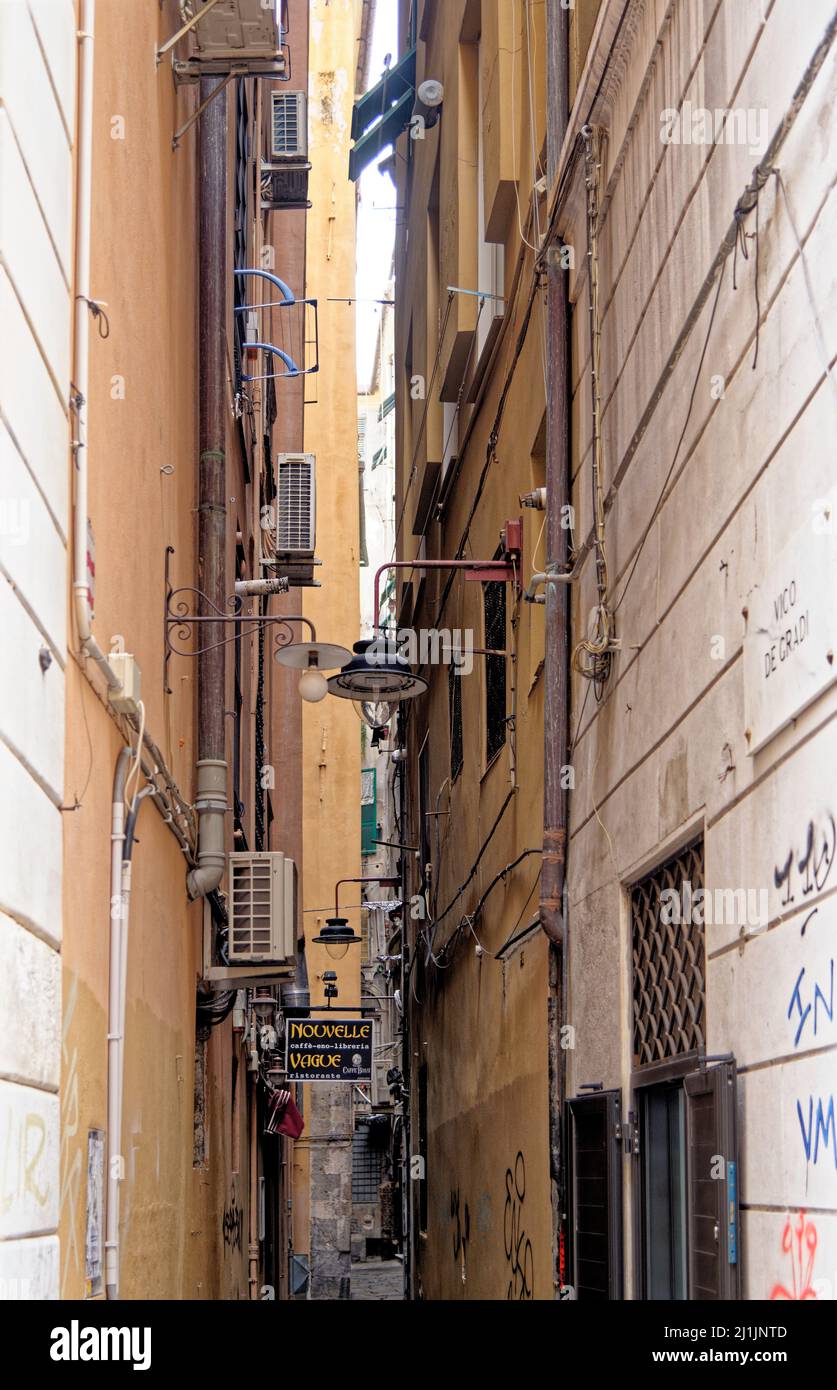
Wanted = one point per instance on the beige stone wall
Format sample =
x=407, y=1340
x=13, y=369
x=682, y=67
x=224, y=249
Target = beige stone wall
x=37, y=72
x=331, y=729
x=665, y=755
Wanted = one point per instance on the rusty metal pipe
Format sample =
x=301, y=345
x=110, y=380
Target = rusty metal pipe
x=556, y=648
x=556, y=653
x=212, y=489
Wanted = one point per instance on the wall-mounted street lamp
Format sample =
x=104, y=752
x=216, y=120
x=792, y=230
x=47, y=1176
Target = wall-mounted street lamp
x=263, y=1003
x=337, y=936
x=480, y=571
x=312, y=658
x=376, y=674
x=374, y=713
x=181, y=623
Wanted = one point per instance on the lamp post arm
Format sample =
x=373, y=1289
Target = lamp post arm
x=489, y=566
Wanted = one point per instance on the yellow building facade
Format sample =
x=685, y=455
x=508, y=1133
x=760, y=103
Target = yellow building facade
x=331, y=729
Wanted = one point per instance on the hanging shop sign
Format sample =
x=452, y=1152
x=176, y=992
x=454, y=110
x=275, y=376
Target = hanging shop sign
x=329, y=1049
x=790, y=651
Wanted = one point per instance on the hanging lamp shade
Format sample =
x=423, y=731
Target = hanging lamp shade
x=337, y=936
x=377, y=672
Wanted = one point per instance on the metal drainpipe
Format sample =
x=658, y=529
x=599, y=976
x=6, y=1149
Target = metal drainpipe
x=211, y=799
x=556, y=640
x=253, y=1240
x=114, y=1081
x=406, y=1042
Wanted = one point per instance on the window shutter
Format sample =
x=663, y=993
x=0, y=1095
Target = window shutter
x=714, y=1269
x=368, y=810
x=595, y=1161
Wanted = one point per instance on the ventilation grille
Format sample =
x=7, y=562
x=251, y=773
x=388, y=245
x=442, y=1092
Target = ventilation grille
x=289, y=132
x=668, y=962
x=285, y=187
x=296, y=504
x=262, y=908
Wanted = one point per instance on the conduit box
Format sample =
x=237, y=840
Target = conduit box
x=126, y=699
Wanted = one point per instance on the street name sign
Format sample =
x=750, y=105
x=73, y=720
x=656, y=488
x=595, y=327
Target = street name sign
x=790, y=651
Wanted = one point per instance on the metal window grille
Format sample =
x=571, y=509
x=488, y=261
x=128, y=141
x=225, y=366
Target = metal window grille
x=288, y=117
x=457, y=756
x=494, y=602
x=367, y=1167
x=669, y=992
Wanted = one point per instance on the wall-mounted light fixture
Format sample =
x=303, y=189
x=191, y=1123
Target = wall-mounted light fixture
x=181, y=622
x=336, y=935
x=375, y=713
x=428, y=103
x=312, y=658
x=263, y=1003
x=376, y=674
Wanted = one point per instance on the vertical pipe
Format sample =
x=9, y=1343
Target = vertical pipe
x=406, y=1039
x=82, y=578
x=115, y=1027
x=211, y=801
x=556, y=654
x=212, y=511
x=253, y=1243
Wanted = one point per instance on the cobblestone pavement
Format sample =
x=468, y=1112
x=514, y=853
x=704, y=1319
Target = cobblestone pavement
x=381, y=1279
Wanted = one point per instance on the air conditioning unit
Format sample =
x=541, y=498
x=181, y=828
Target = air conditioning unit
x=296, y=509
x=262, y=908
x=288, y=126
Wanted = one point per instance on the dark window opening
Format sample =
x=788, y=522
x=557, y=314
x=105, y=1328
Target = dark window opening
x=663, y=1196
x=368, y=1166
x=457, y=756
x=424, y=819
x=239, y=728
x=494, y=612
x=595, y=1186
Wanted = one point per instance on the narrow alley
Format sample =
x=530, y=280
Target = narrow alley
x=418, y=713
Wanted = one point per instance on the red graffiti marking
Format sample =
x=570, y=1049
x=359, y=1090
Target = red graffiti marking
x=792, y=1243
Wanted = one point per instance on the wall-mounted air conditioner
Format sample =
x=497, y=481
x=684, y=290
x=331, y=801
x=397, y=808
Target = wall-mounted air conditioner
x=262, y=908
x=288, y=126
x=296, y=509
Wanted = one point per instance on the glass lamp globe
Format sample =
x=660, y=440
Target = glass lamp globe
x=337, y=936
x=375, y=713
x=313, y=685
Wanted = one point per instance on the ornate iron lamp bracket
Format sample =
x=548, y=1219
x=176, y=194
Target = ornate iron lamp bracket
x=181, y=621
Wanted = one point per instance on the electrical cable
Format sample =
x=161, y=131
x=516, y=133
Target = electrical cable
x=423, y=421
x=596, y=646
x=486, y=842
x=133, y=775
x=676, y=454
x=808, y=286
